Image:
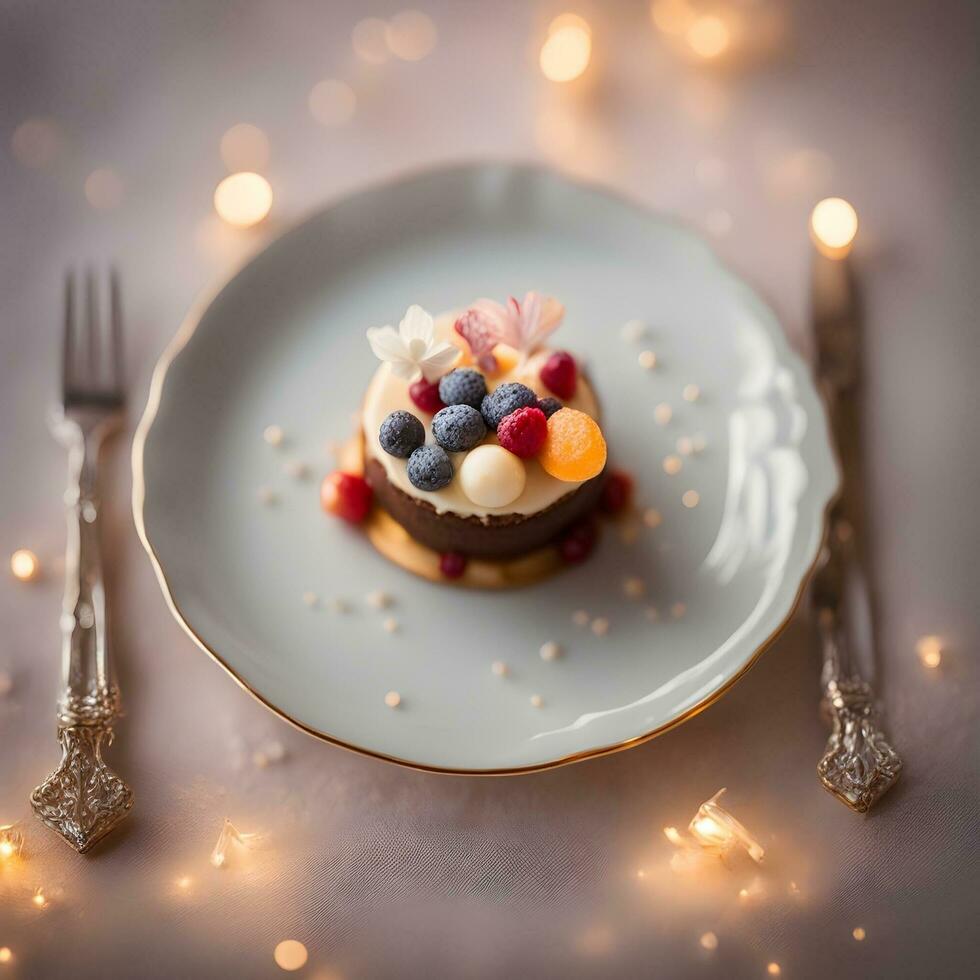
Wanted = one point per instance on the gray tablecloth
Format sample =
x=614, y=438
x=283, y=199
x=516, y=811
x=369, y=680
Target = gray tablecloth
x=384, y=872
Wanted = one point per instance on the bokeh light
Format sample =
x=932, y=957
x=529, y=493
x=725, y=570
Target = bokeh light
x=411, y=35
x=243, y=199
x=24, y=564
x=36, y=143
x=567, y=50
x=930, y=651
x=245, y=147
x=332, y=102
x=708, y=36
x=370, y=40
x=672, y=16
x=290, y=955
x=833, y=225
x=6, y=954
x=104, y=189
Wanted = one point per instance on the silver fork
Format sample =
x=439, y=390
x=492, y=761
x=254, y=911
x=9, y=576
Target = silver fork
x=83, y=799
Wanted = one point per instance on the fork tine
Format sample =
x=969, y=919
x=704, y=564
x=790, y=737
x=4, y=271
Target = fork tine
x=68, y=341
x=115, y=326
x=91, y=334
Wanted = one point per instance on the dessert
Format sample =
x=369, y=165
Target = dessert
x=481, y=443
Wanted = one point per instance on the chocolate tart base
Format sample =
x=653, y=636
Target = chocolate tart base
x=498, y=536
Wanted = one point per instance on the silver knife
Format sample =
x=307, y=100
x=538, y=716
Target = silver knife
x=858, y=766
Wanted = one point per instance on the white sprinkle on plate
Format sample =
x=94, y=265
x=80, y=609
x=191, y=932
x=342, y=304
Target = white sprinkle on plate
x=632, y=331
x=600, y=626
x=663, y=413
x=273, y=435
x=550, y=650
x=647, y=360
x=499, y=668
x=378, y=599
x=537, y=701
x=391, y=625
x=580, y=617
x=310, y=598
x=393, y=699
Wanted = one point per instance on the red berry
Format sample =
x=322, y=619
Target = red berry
x=346, y=495
x=560, y=374
x=425, y=394
x=523, y=432
x=616, y=492
x=452, y=564
x=577, y=543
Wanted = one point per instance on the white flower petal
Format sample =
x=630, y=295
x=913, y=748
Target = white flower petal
x=386, y=343
x=417, y=324
x=438, y=360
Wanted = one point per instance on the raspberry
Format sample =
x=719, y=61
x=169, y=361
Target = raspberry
x=559, y=374
x=549, y=406
x=616, y=492
x=458, y=427
x=452, y=564
x=401, y=434
x=577, y=543
x=429, y=468
x=347, y=495
x=464, y=386
x=523, y=432
x=506, y=399
x=425, y=394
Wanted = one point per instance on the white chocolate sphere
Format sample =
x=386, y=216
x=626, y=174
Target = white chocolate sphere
x=490, y=476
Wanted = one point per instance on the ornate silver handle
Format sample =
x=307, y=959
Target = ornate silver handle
x=858, y=765
x=83, y=799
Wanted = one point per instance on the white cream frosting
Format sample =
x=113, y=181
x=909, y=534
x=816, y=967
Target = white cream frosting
x=388, y=393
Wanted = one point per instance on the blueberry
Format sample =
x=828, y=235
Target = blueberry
x=458, y=427
x=401, y=434
x=549, y=406
x=504, y=400
x=429, y=468
x=464, y=386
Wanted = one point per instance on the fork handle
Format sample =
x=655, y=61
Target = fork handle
x=89, y=694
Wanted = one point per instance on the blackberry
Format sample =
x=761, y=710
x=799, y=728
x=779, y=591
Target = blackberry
x=429, y=468
x=549, y=406
x=458, y=427
x=401, y=434
x=504, y=400
x=464, y=386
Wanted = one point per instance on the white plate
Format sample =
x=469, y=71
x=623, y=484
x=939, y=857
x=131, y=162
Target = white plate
x=283, y=342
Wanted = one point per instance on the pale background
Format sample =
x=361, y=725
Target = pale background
x=384, y=872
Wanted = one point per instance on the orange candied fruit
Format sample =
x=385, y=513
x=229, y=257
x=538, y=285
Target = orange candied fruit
x=574, y=450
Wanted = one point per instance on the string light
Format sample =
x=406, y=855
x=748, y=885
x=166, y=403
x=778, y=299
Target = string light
x=243, y=199
x=245, y=147
x=184, y=882
x=229, y=836
x=773, y=969
x=930, y=651
x=6, y=954
x=833, y=225
x=714, y=831
x=709, y=941
x=11, y=842
x=567, y=49
x=290, y=955
x=24, y=565
x=858, y=933
x=39, y=899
